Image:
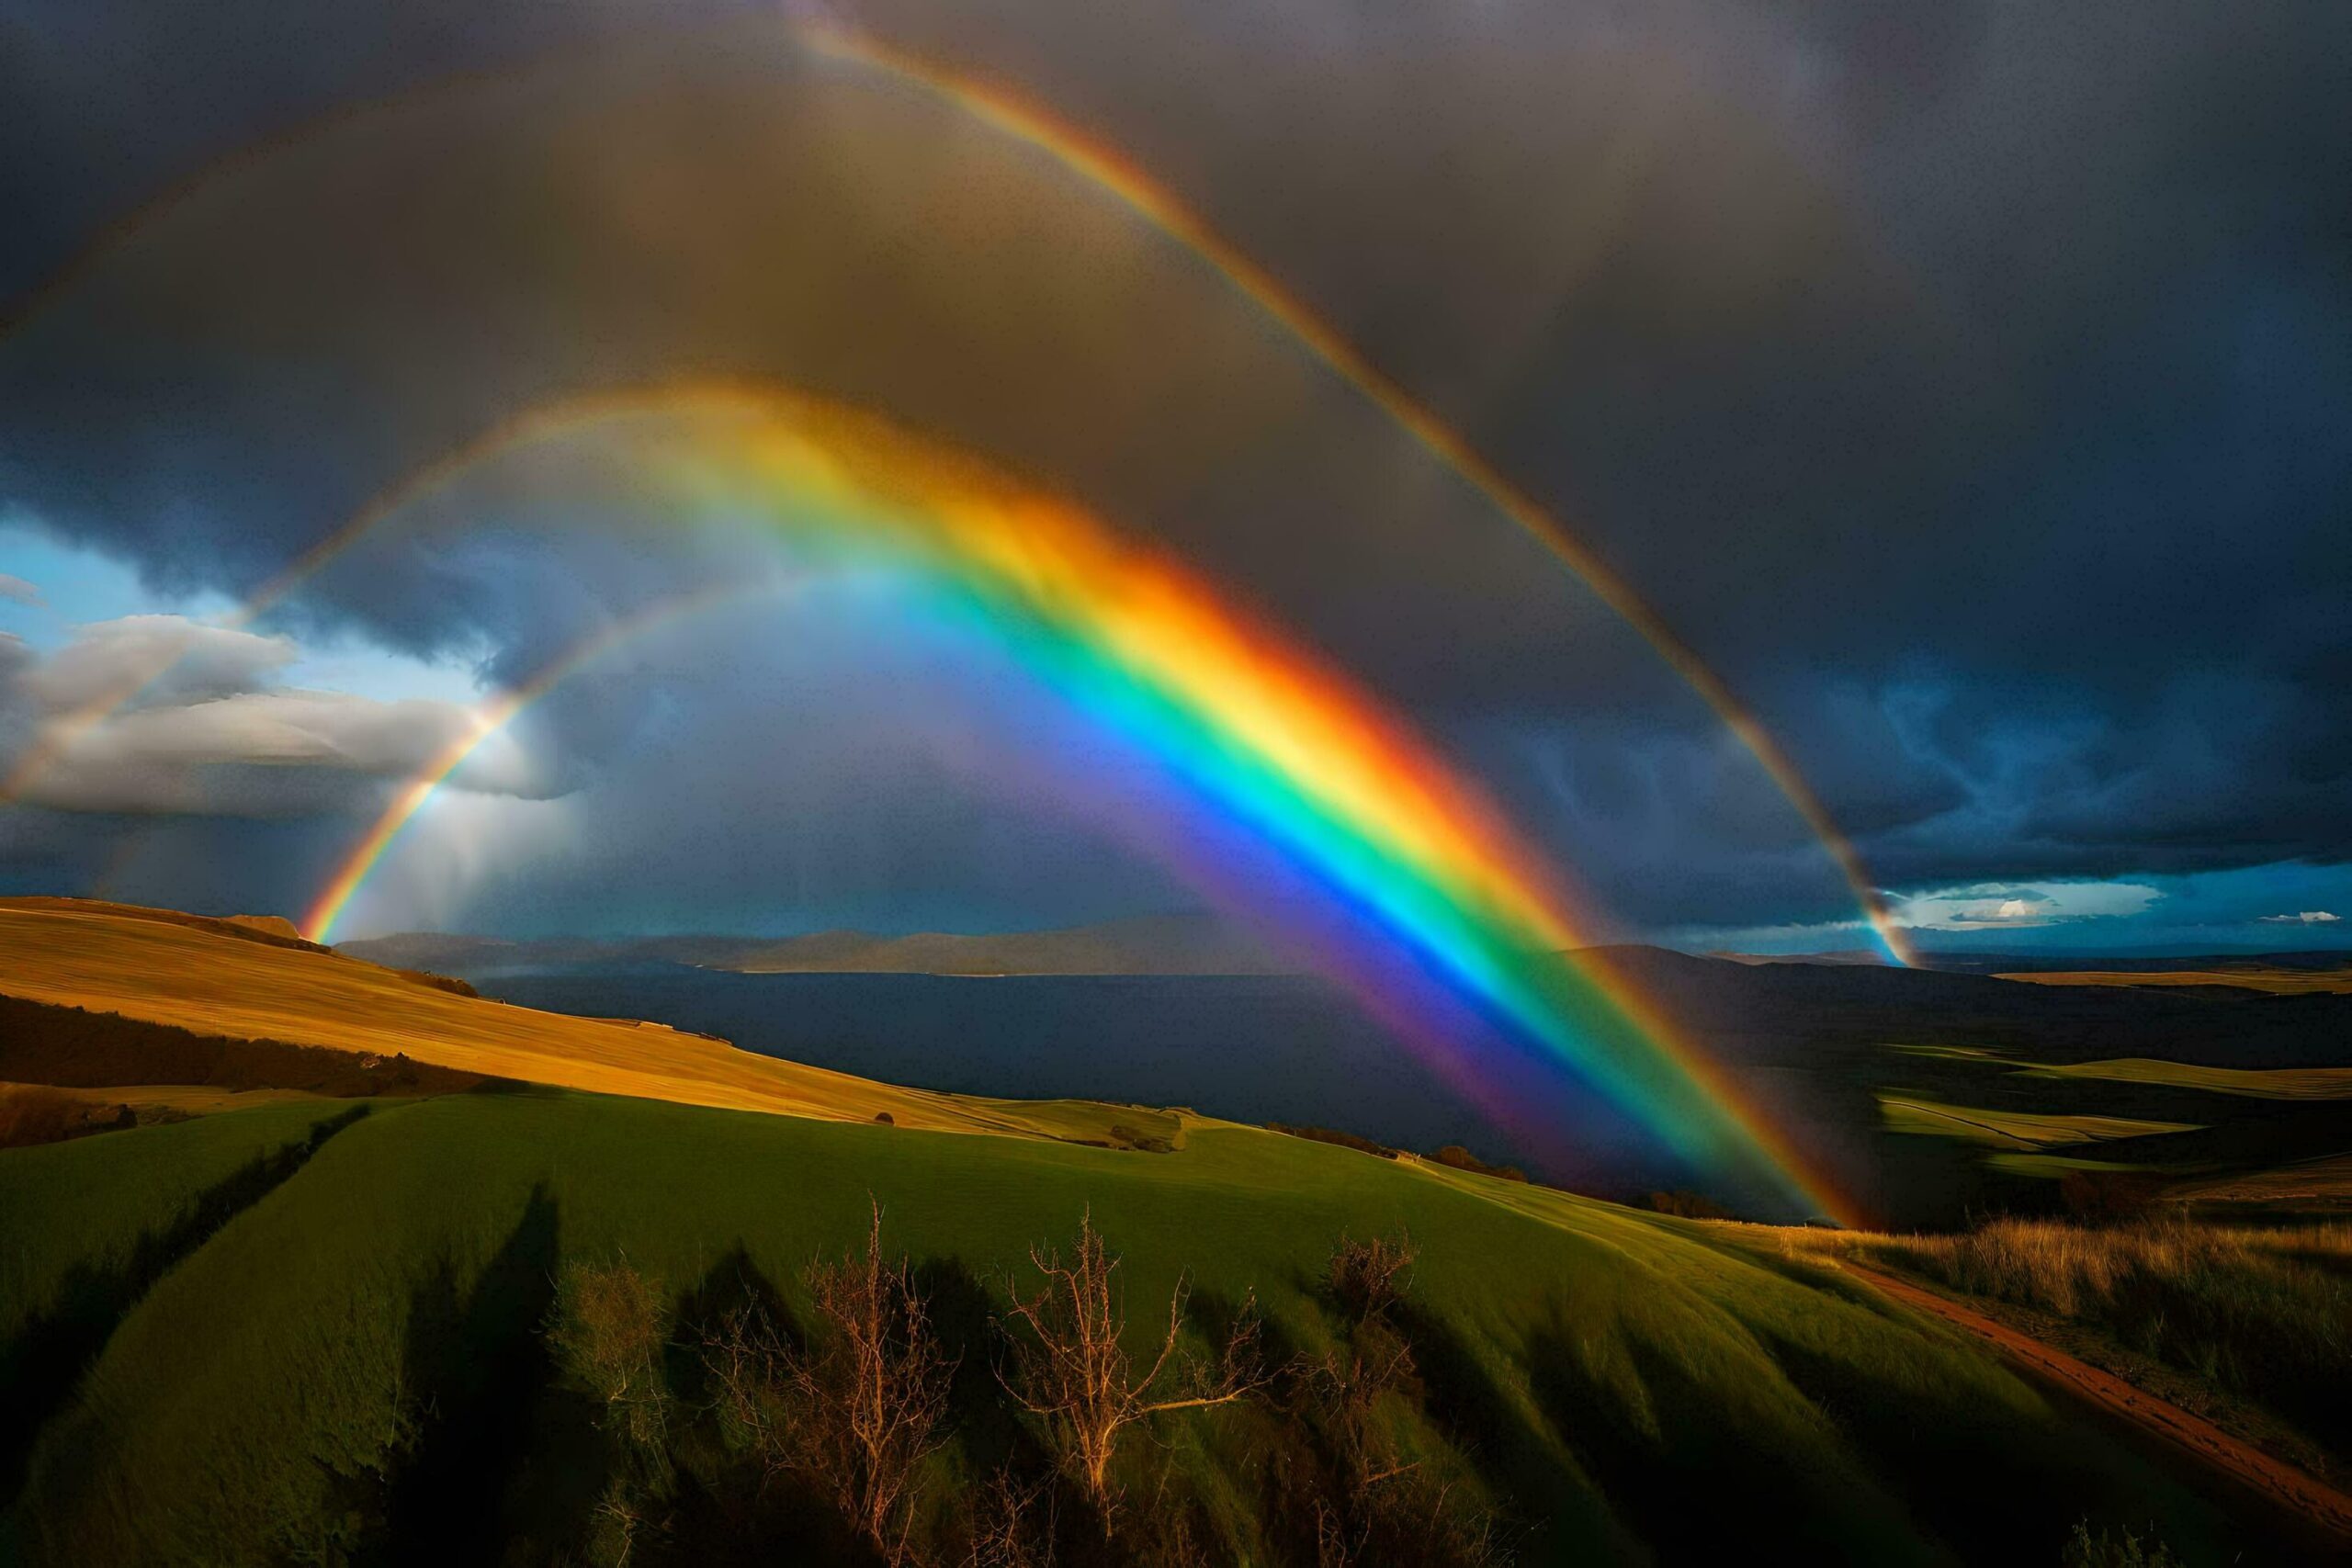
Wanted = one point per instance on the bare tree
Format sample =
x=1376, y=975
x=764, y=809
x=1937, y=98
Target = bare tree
x=1070, y=1367
x=861, y=1407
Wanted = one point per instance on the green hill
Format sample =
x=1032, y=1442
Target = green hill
x=301, y=1327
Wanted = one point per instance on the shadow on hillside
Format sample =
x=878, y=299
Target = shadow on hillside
x=1698, y=1480
x=963, y=1315
x=43, y=1364
x=499, y=1457
x=1520, y=1463
x=724, y=1510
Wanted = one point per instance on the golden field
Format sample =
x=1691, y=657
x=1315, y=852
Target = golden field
x=243, y=981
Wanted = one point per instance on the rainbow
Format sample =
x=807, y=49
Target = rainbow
x=1251, y=726
x=1110, y=171
x=486, y=719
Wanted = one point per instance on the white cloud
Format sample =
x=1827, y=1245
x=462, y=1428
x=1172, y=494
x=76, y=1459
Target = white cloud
x=19, y=590
x=210, y=733
x=2308, y=918
x=150, y=660
x=1995, y=905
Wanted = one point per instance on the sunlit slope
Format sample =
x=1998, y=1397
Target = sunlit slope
x=1627, y=1389
x=2254, y=1083
x=2271, y=978
x=190, y=972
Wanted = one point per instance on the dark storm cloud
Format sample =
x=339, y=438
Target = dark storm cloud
x=1973, y=386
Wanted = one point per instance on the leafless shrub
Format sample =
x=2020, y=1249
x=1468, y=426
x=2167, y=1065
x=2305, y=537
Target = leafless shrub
x=747, y=1360
x=855, y=1413
x=872, y=1391
x=1011, y=1523
x=1367, y=1279
x=1070, y=1367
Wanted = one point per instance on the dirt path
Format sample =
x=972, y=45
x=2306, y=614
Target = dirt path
x=2325, y=1509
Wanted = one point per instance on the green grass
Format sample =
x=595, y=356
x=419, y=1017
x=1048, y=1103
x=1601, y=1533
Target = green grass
x=83, y=1205
x=2260, y=1083
x=2052, y=1167
x=2017, y=1130
x=1619, y=1384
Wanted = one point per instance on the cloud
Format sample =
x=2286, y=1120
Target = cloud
x=212, y=734
x=141, y=660
x=18, y=591
x=2049, y=904
x=2308, y=918
x=1857, y=348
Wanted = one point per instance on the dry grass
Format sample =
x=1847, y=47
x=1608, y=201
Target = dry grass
x=222, y=980
x=2254, y=1083
x=2262, y=1312
x=2077, y=1271
x=2253, y=977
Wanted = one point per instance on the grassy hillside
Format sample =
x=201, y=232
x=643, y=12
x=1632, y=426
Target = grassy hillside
x=2011, y=1129
x=367, y=1329
x=2274, y=1083
x=2270, y=981
x=217, y=978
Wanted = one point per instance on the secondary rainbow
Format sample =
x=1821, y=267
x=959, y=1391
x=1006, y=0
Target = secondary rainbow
x=484, y=720
x=1271, y=740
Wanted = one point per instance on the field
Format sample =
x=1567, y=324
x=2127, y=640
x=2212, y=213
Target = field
x=2258, y=1317
x=2012, y=1129
x=2269, y=980
x=269, y=1323
x=2014, y=1126
x=1583, y=1368
x=2254, y=1083
x=179, y=970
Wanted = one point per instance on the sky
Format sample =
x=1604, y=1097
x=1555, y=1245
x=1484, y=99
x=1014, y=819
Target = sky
x=1970, y=387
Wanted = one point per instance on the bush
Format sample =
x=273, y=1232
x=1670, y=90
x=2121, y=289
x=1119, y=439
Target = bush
x=1333, y=1135
x=1687, y=1205
x=30, y=1114
x=1460, y=1158
x=2085, y=1549
x=1367, y=1279
x=611, y=1325
x=609, y=1329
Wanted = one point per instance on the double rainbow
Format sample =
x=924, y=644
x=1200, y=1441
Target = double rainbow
x=1277, y=745
x=1104, y=168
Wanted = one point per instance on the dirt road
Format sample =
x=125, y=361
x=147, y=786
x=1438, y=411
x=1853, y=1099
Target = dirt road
x=2326, y=1510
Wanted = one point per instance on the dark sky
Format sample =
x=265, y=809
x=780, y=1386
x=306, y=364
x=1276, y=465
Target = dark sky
x=1971, y=385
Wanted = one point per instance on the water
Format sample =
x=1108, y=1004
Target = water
x=1249, y=1048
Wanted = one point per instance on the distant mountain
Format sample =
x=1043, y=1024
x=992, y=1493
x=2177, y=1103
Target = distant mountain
x=1151, y=944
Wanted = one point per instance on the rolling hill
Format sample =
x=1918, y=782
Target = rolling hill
x=214, y=981
x=321, y=1329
